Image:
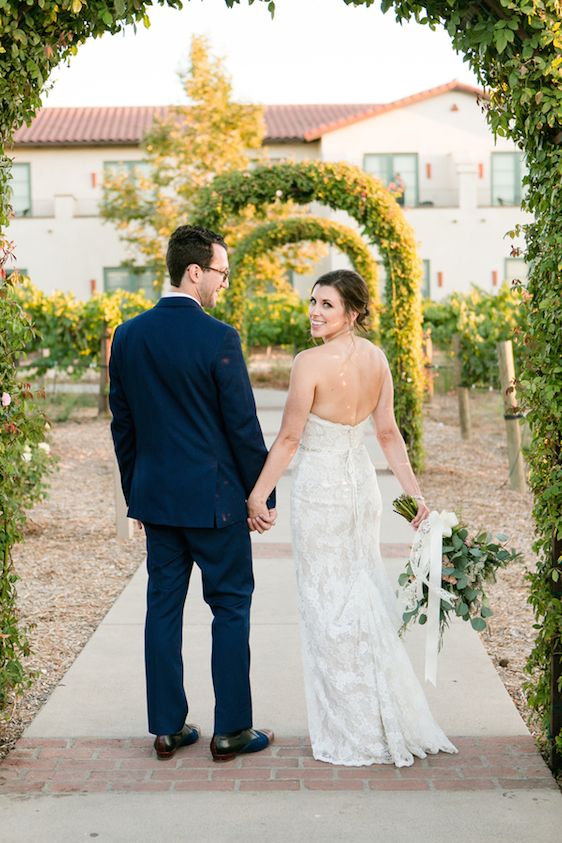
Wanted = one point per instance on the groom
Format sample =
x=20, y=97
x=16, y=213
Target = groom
x=190, y=448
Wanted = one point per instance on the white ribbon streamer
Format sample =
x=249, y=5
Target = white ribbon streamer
x=426, y=562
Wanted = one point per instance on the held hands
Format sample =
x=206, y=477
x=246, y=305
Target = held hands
x=262, y=523
x=260, y=518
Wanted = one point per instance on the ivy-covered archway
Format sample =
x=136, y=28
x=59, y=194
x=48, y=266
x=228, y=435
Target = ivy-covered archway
x=347, y=188
x=273, y=235
x=514, y=48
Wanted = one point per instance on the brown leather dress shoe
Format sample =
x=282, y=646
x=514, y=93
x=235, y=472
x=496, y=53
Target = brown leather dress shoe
x=166, y=745
x=225, y=748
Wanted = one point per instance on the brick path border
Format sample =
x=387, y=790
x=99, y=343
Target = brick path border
x=82, y=765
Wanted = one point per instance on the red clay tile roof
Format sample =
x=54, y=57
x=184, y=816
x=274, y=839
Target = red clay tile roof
x=309, y=122
x=125, y=125
x=75, y=126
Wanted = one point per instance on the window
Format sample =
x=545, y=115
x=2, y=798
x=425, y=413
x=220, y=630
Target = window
x=131, y=278
x=399, y=172
x=426, y=281
x=515, y=269
x=133, y=169
x=21, y=190
x=18, y=269
x=508, y=169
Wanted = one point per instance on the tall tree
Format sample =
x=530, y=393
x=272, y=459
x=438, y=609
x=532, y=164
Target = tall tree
x=182, y=152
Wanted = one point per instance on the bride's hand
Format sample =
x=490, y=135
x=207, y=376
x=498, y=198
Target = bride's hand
x=421, y=514
x=263, y=523
x=260, y=518
x=256, y=506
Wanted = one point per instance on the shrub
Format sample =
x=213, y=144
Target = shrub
x=69, y=329
x=482, y=320
x=24, y=460
x=278, y=317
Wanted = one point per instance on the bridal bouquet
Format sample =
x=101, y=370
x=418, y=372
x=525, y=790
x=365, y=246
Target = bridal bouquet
x=447, y=571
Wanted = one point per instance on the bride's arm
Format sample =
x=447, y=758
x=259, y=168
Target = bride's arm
x=394, y=447
x=297, y=407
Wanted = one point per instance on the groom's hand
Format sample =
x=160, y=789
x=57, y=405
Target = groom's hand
x=260, y=518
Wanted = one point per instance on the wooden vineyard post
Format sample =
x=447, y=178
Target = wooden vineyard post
x=512, y=415
x=462, y=391
x=105, y=350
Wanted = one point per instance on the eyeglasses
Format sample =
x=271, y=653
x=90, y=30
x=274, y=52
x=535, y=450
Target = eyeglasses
x=224, y=272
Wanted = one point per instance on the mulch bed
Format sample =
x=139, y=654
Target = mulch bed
x=72, y=567
x=472, y=479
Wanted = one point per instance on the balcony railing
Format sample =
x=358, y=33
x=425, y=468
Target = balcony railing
x=446, y=197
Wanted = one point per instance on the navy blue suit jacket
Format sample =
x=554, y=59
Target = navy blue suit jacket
x=187, y=438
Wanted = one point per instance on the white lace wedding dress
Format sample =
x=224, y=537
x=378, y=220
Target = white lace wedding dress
x=365, y=704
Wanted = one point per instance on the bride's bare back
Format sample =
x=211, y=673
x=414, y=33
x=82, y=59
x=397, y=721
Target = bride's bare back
x=345, y=380
x=348, y=376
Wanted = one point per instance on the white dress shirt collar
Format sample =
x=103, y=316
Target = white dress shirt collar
x=171, y=293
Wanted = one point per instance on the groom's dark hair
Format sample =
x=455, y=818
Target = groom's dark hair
x=190, y=244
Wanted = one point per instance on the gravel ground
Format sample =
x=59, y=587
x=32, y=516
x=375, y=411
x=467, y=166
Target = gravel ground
x=472, y=479
x=72, y=567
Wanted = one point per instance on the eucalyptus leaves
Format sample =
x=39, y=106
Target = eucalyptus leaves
x=468, y=564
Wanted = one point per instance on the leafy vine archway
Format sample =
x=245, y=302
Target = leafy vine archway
x=272, y=235
x=344, y=187
x=514, y=47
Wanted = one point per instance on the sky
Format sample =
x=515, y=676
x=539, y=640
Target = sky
x=313, y=51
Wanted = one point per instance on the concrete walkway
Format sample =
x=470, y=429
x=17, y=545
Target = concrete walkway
x=89, y=742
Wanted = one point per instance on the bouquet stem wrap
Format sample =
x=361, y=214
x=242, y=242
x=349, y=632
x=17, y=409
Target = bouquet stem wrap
x=426, y=561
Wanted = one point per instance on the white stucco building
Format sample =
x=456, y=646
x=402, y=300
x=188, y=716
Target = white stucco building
x=462, y=189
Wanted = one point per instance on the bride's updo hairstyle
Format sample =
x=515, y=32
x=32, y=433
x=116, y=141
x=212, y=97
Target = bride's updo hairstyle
x=353, y=292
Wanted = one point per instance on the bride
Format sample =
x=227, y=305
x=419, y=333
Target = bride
x=365, y=704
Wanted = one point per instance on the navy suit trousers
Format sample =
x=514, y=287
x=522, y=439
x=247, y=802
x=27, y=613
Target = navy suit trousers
x=224, y=557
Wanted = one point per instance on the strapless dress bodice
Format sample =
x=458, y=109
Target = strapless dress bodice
x=323, y=435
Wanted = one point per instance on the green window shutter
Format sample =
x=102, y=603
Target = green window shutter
x=385, y=166
x=21, y=189
x=19, y=269
x=129, y=278
x=134, y=170
x=508, y=170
